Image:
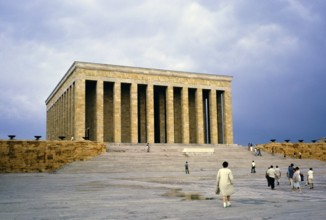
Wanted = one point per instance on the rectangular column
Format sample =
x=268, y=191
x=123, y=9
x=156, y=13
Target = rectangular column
x=55, y=109
x=199, y=116
x=117, y=112
x=228, y=124
x=71, y=133
x=79, y=110
x=48, y=121
x=63, y=114
x=99, y=111
x=65, y=111
x=134, y=113
x=150, y=113
x=185, y=115
x=170, y=115
x=59, y=118
x=213, y=116
x=73, y=104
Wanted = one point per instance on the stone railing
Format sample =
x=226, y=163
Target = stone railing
x=43, y=156
x=315, y=150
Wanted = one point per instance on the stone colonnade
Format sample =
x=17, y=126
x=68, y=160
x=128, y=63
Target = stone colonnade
x=117, y=104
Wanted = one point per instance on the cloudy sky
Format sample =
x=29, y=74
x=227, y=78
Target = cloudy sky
x=275, y=50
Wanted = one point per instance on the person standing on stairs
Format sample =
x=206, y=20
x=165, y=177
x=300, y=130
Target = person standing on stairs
x=187, y=167
x=253, y=167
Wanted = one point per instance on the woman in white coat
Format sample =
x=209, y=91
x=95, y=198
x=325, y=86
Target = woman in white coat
x=224, y=182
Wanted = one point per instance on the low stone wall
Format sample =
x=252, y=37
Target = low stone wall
x=308, y=150
x=42, y=156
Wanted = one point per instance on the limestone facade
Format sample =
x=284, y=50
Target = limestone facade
x=121, y=104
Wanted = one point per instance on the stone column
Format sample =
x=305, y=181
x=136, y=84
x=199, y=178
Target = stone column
x=199, y=116
x=79, y=122
x=213, y=117
x=60, y=116
x=58, y=119
x=99, y=111
x=73, y=104
x=150, y=113
x=228, y=124
x=68, y=113
x=117, y=112
x=170, y=115
x=134, y=113
x=48, y=121
x=54, y=127
x=185, y=115
x=65, y=113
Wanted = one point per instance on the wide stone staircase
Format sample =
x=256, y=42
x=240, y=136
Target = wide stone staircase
x=121, y=158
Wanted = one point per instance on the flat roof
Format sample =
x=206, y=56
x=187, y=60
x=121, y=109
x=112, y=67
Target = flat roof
x=138, y=70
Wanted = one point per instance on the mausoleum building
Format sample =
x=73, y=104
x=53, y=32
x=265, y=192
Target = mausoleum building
x=121, y=104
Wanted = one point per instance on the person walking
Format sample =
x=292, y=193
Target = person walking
x=224, y=184
x=271, y=177
x=267, y=177
x=310, y=178
x=187, y=167
x=290, y=174
x=277, y=174
x=296, y=179
x=253, y=167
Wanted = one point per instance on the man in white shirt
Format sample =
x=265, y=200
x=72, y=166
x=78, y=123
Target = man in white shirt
x=271, y=177
x=253, y=167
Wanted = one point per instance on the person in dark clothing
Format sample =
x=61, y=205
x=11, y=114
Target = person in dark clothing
x=271, y=177
x=267, y=177
x=290, y=174
x=187, y=167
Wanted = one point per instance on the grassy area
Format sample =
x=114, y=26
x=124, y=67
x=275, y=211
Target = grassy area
x=306, y=150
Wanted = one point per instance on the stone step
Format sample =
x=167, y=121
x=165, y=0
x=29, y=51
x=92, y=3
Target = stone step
x=162, y=158
x=163, y=147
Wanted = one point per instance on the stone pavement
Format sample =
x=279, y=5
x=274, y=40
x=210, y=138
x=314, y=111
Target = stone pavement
x=128, y=183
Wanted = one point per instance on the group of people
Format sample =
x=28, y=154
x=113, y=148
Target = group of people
x=272, y=175
x=255, y=149
x=224, y=179
x=295, y=177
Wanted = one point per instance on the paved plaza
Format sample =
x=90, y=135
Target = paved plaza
x=128, y=183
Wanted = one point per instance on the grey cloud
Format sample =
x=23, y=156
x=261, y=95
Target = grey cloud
x=273, y=49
